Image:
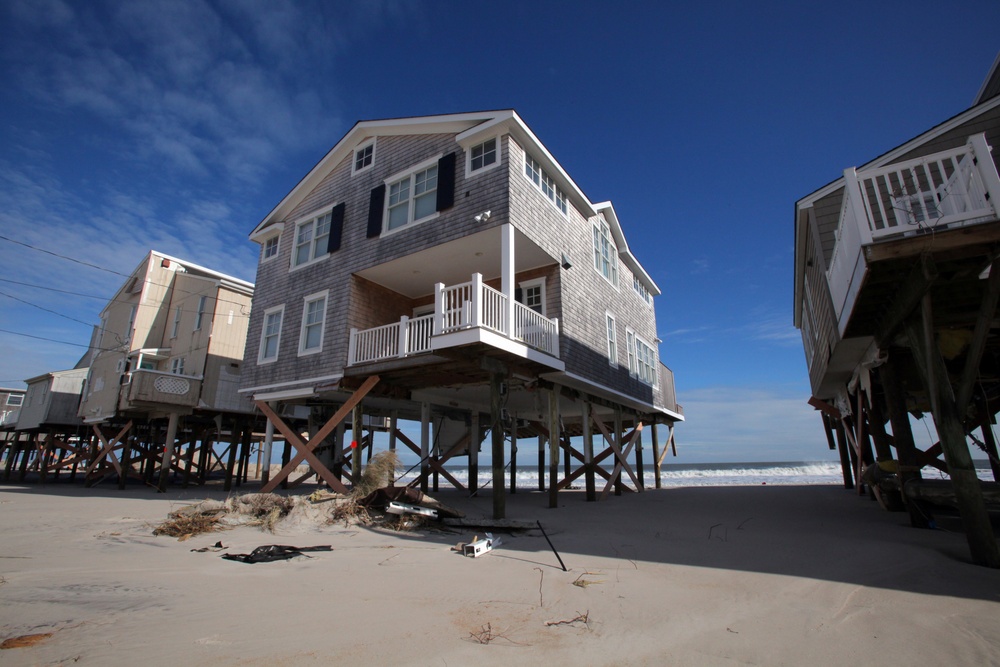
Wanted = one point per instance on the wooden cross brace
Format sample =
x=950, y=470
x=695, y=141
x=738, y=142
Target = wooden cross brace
x=564, y=444
x=108, y=448
x=305, y=447
x=621, y=462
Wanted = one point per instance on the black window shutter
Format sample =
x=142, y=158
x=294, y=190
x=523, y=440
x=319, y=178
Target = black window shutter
x=375, y=211
x=446, y=181
x=336, y=228
x=518, y=295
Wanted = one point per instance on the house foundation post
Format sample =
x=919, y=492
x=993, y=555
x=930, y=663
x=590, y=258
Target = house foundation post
x=168, y=451
x=554, y=440
x=588, y=453
x=656, y=457
x=475, y=440
x=425, y=445
x=265, y=476
x=497, y=441
x=357, y=442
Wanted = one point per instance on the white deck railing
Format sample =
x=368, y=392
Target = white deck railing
x=943, y=190
x=457, y=307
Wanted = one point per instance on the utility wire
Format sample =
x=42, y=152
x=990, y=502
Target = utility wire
x=112, y=271
x=34, y=305
x=63, y=342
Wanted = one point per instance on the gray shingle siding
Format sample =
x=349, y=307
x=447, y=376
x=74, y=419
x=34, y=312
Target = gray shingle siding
x=578, y=296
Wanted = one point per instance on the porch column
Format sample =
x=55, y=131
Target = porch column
x=475, y=439
x=507, y=273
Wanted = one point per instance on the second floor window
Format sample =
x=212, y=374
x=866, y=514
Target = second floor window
x=412, y=198
x=313, y=317
x=177, y=366
x=311, y=238
x=612, y=341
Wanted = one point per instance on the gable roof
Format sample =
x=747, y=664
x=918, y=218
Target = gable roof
x=470, y=128
x=991, y=86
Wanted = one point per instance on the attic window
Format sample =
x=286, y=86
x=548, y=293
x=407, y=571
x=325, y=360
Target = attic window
x=364, y=157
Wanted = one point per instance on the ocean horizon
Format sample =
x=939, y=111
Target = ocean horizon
x=697, y=474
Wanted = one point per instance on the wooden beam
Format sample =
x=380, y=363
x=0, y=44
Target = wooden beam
x=968, y=494
x=305, y=451
x=824, y=407
x=974, y=355
x=553, y=437
x=497, y=441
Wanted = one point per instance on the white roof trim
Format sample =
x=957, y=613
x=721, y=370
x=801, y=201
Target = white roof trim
x=623, y=250
x=986, y=81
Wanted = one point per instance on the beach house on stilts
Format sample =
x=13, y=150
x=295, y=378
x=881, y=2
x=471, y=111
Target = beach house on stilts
x=446, y=270
x=897, y=275
x=164, y=377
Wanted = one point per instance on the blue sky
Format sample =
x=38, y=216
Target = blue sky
x=177, y=126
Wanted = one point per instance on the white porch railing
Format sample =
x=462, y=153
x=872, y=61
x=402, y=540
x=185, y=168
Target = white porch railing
x=465, y=306
x=947, y=189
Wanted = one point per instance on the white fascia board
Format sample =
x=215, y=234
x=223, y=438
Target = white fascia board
x=520, y=131
x=327, y=379
x=285, y=395
x=272, y=230
x=574, y=381
x=623, y=250
x=801, y=222
x=207, y=273
x=444, y=124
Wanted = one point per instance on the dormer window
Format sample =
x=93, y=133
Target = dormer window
x=483, y=155
x=364, y=157
x=271, y=247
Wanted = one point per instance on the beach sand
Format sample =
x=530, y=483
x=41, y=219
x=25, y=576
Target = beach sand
x=763, y=575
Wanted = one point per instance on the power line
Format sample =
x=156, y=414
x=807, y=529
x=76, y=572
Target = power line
x=51, y=289
x=53, y=340
x=47, y=310
x=55, y=254
x=117, y=273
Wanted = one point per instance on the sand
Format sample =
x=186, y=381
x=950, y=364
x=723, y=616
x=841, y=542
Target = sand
x=764, y=575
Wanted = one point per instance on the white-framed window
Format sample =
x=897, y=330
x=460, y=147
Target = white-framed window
x=413, y=197
x=364, y=157
x=311, y=237
x=202, y=302
x=533, y=295
x=605, y=251
x=313, y=323
x=177, y=365
x=270, y=335
x=641, y=358
x=641, y=290
x=15, y=400
x=534, y=173
x=612, y=340
x=178, y=311
x=270, y=248
x=483, y=156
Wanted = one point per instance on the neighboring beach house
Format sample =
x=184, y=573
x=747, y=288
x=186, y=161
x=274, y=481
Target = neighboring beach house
x=11, y=401
x=896, y=283
x=170, y=341
x=169, y=346
x=52, y=400
x=437, y=266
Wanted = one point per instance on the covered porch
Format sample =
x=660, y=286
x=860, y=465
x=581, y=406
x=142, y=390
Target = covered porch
x=442, y=298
